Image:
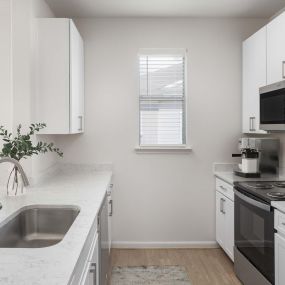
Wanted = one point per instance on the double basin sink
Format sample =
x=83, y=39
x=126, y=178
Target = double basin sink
x=37, y=226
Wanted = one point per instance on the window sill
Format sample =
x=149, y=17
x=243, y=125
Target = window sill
x=163, y=149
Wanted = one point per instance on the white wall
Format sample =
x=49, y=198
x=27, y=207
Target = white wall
x=161, y=198
x=5, y=64
x=17, y=71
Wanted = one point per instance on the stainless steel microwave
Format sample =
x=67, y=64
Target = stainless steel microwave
x=272, y=107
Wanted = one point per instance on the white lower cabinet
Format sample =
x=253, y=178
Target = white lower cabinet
x=229, y=241
x=110, y=215
x=225, y=223
x=90, y=274
x=279, y=240
x=87, y=267
x=220, y=219
x=279, y=260
x=93, y=264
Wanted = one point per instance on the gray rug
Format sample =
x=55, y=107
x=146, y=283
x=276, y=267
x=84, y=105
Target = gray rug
x=149, y=275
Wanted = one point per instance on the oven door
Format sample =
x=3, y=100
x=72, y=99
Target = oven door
x=272, y=106
x=254, y=232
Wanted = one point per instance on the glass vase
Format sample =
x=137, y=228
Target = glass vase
x=15, y=185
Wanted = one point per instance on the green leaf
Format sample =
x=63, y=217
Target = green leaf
x=21, y=146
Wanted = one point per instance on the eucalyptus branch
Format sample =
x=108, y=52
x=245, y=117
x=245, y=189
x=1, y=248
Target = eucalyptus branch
x=21, y=146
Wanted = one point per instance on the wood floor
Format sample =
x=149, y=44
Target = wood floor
x=204, y=266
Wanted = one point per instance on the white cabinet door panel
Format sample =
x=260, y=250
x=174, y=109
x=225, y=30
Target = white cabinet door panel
x=220, y=219
x=276, y=49
x=60, y=76
x=86, y=276
x=229, y=236
x=76, y=81
x=253, y=77
x=225, y=224
x=52, y=88
x=279, y=260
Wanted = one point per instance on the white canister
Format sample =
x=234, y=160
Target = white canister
x=249, y=165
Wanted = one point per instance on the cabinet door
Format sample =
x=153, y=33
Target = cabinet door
x=76, y=81
x=86, y=276
x=110, y=215
x=229, y=230
x=52, y=82
x=94, y=263
x=103, y=246
x=276, y=49
x=90, y=275
x=279, y=260
x=254, y=77
x=220, y=219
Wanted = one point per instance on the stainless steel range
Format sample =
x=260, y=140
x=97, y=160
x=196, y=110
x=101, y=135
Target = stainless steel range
x=254, y=230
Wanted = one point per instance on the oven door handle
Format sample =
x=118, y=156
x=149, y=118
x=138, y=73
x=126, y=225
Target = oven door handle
x=253, y=202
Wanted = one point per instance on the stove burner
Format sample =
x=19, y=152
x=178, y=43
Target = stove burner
x=260, y=186
x=280, y=184
x=276, y=194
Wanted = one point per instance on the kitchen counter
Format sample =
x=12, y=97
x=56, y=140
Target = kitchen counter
x=230, y=177
x=225, y=172
x=54, y=265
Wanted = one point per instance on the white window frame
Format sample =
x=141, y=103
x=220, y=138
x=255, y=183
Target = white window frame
x=163, y=147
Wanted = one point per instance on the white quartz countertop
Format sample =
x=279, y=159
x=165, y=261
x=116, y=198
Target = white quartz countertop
x=230, y=177
x=225, y=172
x=54, y=265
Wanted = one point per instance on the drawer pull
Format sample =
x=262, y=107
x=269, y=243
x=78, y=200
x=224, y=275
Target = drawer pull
x=223, y=188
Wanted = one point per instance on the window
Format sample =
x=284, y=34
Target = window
x=162, y=98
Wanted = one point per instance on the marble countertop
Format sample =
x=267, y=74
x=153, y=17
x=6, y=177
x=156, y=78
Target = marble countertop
x=54, y=265
x=225, y=172
x=230, y=177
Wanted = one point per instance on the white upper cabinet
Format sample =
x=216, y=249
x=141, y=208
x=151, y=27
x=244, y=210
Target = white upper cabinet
x=60, y=77
x=276, y=49
x=254, y=77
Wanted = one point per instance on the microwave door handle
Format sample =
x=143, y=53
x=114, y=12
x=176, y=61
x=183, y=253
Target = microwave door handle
x=283, y=69
x=253, y=202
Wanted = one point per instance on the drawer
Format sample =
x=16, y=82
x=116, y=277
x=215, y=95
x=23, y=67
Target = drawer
x=279, y=222
x=84, y=256
x=225, y=188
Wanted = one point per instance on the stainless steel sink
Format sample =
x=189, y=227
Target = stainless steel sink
x=37, y=226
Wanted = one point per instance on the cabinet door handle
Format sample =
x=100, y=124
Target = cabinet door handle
x=92, y=270
x=111, y=208
x=283, y=69
x=252, y=124
x=222, y=209
x=98, y=224
x=80, y=123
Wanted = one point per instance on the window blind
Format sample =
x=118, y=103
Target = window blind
x=162, y=99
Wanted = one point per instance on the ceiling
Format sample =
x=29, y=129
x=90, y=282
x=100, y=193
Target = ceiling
x=165, y=8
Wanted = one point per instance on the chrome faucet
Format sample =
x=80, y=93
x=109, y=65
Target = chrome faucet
x=19, y=167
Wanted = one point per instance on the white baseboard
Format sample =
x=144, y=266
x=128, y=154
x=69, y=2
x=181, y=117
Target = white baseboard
x=179, y=244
